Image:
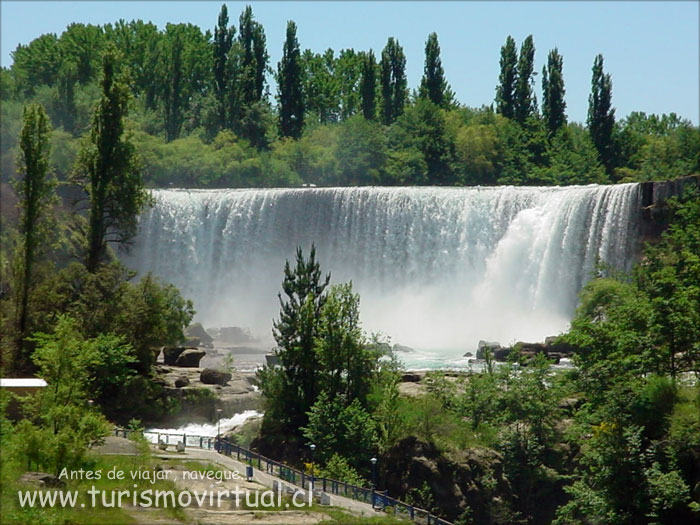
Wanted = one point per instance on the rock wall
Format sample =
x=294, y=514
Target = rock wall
x=654, y=197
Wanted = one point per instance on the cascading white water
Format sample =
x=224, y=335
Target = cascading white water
x=436, y=268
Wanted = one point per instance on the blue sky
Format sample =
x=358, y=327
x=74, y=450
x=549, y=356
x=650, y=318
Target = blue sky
x=650, y=48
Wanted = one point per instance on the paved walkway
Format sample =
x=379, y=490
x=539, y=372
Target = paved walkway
x=121, y=446
x=260, y=477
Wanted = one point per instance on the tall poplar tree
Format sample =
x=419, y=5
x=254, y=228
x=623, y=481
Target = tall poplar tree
x=505, y=92
x=289, y=86
x=35, y=188
x=601, y=114
x=223, y=40
x=368, y=88
x=393, y=79
x=262, y=59
x=433, y=84
x=173, y=99
x=525, y=102
x=254, y=58
x=67, y=79
x=553, y=103
x=108, y=171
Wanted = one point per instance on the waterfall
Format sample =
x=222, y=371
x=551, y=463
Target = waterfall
x=435, y=267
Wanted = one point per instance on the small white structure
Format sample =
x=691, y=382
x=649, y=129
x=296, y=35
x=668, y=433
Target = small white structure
x=22, y=385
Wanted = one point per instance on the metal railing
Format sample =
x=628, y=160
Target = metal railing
x=297, y=477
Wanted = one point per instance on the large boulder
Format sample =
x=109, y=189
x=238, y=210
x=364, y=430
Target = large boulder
x=190, y=358
x=402, y=348
x=209, y=376
x=501, y=354
x=197, y=331
x=171, y=353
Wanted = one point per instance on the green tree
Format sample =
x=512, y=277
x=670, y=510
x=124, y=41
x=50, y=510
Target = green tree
x=108, y=171
x=185, y=69
x=433, y=85
x=340, y=426
x=36, y=63
x=82, y=44
x=393, y=81
x=553, y=103
x=173, y=89
x=295, y=332
x=361, y=152
x=223, y=40
x=423, y=127
x=36, y=193
x=289, y=86
x=348, y=72
x=346, y=361
x=67, y=110
x=254, y=58
x=601, y=115
x=525, y=100
x=368, y=87
x=140, y=43
x=321, y=88
x=505, y=91
x=60, y=425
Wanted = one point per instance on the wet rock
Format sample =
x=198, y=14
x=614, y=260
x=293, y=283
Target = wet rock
x=190, y=358
x=402, y=348
x=171, y=353
x=209, y=376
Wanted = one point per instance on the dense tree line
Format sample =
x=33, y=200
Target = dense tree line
x=61, y=283
x=204, y=95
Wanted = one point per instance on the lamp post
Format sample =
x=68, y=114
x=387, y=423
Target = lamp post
x=374, y=479
x=218, y=430
x=313, y=449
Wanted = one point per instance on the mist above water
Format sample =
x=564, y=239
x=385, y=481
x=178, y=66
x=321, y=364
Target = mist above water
x=436, y=268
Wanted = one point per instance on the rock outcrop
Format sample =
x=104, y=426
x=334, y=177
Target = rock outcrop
x=492, y=346
x=190, y=358
x=171, y=353
x=197, y=331
x=197, y=402
x=209, y=376
x=473, y=477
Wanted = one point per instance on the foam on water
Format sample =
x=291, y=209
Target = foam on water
x=197, y=429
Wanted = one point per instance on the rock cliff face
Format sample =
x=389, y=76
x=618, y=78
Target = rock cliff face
x=473, y=478
x=654, y=197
